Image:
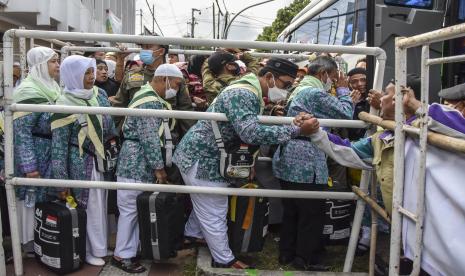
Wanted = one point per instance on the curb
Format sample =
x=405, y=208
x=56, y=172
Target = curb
x=204, y=268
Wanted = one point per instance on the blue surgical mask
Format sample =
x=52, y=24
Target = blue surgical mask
x=146, y=56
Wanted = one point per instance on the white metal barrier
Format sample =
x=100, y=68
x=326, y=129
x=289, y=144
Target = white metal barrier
x=65, y=50
x=402, y=45
x=9, y=108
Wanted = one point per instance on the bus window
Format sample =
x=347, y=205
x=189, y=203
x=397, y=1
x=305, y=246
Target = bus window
x=342, y=23
x=461, y=16
x=420, y=4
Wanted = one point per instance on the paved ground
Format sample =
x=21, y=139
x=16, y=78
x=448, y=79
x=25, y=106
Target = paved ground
x=174, y=268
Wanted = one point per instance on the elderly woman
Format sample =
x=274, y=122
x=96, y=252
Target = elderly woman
x=32, y=143
x=78, y=147
x=300, y=165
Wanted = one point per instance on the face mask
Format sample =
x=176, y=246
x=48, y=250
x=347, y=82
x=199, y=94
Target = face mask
x=146, y=56
x=329, y=83
x=170, y=92
x=276, y=94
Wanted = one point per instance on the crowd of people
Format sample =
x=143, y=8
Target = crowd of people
x=189, y=152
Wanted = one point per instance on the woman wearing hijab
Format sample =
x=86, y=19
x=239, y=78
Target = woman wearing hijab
x=103, y=80
x=32, y=143
x=77, y=145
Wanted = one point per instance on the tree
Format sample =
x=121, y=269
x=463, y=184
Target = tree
x=283, y=19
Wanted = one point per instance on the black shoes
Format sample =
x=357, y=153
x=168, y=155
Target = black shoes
x=285, y=259
x=128, y=265
x=300, y=264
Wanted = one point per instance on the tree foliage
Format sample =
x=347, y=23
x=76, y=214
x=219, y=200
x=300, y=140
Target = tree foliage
x=283, y=19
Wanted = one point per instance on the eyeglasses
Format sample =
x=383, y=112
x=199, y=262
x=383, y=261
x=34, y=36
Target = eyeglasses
x=287, y=84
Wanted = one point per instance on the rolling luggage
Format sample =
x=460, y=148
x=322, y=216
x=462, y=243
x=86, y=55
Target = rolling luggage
x=247, y=222
x=59, y=236
x=161, y=224
x=339, y=216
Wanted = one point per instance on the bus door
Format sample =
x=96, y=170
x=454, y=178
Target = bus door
x=454, y=73
x=394, y=18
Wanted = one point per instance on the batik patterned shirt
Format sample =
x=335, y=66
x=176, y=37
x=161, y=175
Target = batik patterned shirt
x=241, y=107
x=299, y=160
x=67, y=163
x=141, y=152
x=32, y=148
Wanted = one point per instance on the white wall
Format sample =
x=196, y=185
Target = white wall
x=73, y=15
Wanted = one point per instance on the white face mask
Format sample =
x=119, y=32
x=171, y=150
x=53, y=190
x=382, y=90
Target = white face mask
x=329, y=83
x=276, y=94
x=169, y=92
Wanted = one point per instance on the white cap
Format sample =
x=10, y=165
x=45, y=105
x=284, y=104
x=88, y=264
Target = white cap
x=168, y=70
x=16, y=63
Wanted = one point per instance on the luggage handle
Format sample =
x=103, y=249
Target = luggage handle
x=153, y=226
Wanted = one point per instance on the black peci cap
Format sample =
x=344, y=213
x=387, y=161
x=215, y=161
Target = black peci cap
x=219, y=59
x=356, y=71
x=282, y=66
x=454, y=93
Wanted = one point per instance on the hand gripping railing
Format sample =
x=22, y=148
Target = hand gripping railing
x=9, y=108
x=402, y=45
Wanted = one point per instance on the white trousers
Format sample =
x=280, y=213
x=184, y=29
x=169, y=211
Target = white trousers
x=208, y=218
x=127, y=236
x=97, y=233
x=25, y=222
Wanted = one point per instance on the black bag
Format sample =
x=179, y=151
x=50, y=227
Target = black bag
x=161, y=224
x=59, y=236
x=339, y=216
x=247, y=222
x=236, y=158
x=111, y=148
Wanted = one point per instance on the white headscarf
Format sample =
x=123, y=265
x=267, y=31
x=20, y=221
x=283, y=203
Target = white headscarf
x=72, y=73
x=37, y=59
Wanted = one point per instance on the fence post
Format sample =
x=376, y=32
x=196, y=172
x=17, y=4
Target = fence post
x=9, y=153
x=399, y=143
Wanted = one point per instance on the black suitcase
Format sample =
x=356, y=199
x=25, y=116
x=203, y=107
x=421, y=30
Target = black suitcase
x=59, y=236
x=247, y=223
x=161, y=224
x=339, y=216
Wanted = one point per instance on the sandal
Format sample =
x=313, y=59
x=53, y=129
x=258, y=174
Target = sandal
x=128, y=265
x=192, y=242
x=236, y=264
x=361, y=249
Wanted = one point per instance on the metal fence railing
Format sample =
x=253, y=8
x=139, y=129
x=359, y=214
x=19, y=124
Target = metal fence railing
x=402, y=45
x=10, y=108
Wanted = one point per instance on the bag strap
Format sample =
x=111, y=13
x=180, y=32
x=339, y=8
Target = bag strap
x=220, y=144
x=168, y=143
x=153, y=226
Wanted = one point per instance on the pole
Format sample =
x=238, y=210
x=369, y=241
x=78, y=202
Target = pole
x=218, y=26
x=153, y=19
x=337, y=25
x=141, y=25
x=399, y=166
x=214, y=23
x=193, y=22
x=318, y=30
x=226, y=29
x=330, y=30
x=9, y=152
x=22, y=57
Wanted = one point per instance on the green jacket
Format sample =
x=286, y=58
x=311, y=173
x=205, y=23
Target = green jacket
x=212, y=85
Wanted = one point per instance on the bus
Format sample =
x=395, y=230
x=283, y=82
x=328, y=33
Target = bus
x=378, y=23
